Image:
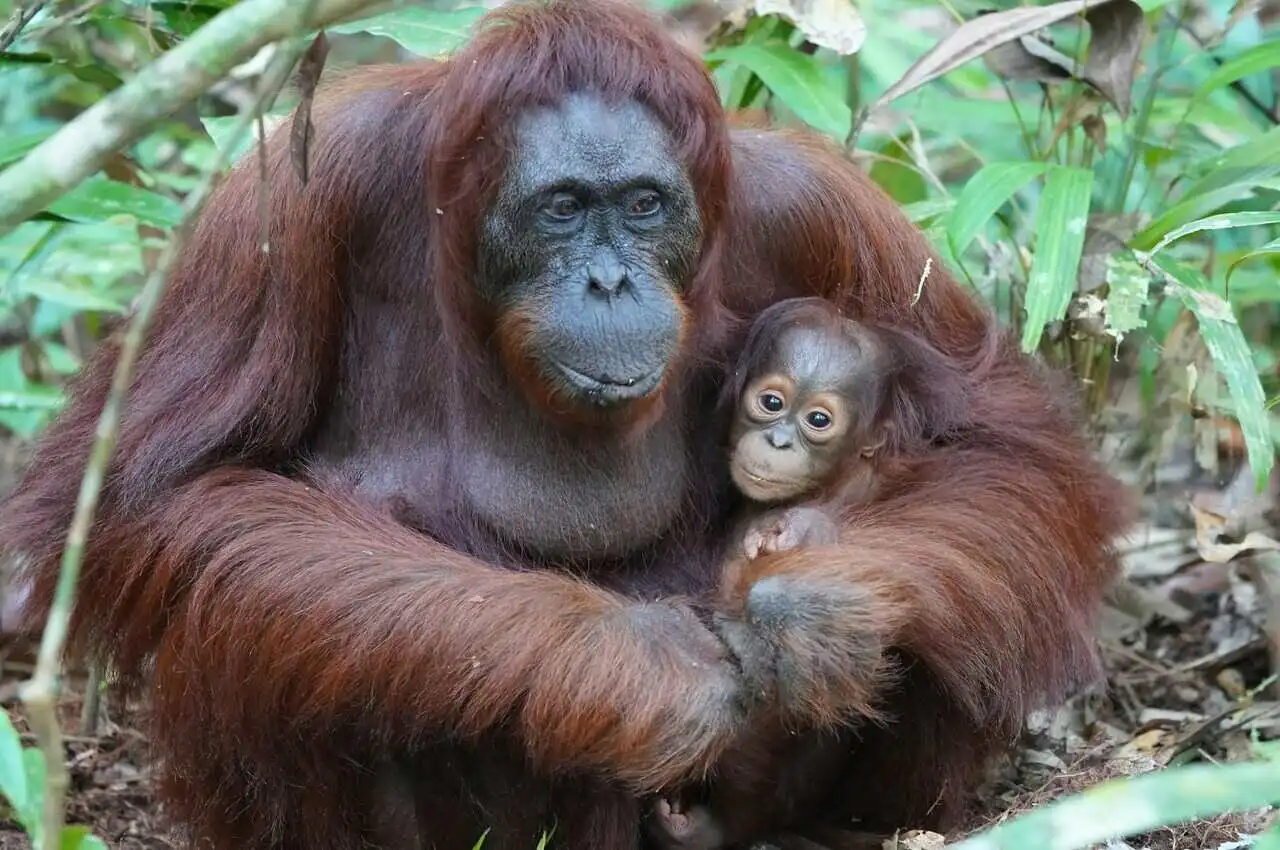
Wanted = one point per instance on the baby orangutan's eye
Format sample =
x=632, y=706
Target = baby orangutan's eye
x=770, y=401
x=819, y=420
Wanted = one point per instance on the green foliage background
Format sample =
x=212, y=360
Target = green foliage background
x=1107, y=240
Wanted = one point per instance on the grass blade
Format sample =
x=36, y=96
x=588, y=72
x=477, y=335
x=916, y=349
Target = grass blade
x=985, y=193
x=1129, y=806
x=1222, y=221
x=1060, y=229
x=1231, y=357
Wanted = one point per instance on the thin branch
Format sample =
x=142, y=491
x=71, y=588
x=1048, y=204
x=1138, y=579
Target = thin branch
x=83, y=145
x=40, y=693
x=22, y=16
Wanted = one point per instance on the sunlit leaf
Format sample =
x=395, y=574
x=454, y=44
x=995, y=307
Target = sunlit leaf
x=1261, y=57
x=100, y=198
x=426, y=32
x=79, y=838
x=1231, y=357
x=220, y=129
x=1060, y=229
x=1134, y=805
x=797, y=80
x=1223, y=221
x=984, y=194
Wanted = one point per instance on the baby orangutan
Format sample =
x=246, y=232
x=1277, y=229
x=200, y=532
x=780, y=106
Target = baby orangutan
x=821, y=404
x=821, y=401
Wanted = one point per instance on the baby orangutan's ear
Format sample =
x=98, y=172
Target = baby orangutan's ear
x=878, y=437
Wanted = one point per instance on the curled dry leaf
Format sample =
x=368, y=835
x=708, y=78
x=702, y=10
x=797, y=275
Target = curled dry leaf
x=1116, y=34
x=833, y=24
x=980, y=36
x=310, y=68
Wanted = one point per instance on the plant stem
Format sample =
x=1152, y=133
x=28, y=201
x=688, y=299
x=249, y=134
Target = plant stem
x=40, y=693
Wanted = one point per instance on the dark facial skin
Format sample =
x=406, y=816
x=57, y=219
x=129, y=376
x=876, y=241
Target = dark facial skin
x=802, y=415
x=594, y=232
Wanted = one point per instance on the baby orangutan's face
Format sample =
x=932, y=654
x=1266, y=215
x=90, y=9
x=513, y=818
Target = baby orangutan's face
x=796, y=420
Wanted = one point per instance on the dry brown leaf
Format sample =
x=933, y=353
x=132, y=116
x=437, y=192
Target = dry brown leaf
x=833, y=24
x=1116, y=31
x=309, y=69
x=981, y=35
x=1209, y=527
x=916, y=839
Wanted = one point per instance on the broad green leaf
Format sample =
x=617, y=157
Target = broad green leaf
x=1133, y=805
x=14, y=146
x=797, y=80
x=1127, y=285
x=1060, y=229
x=100, y=198
x=426, y=32
x=70, y=295
x=34, y=397
x=1261, y=57
x=1231, y=356
x=13, y=771
x=984, y=194
x=1224, y=221
x=1272, y=248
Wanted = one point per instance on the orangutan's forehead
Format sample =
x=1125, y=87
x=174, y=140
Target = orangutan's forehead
x=591, y=142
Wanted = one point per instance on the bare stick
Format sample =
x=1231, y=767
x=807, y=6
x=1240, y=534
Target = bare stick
x=81, y=147
x=22, y=16
x=40, y=694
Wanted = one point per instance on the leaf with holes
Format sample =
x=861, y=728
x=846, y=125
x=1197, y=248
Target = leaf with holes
x=1060, y=228
x=1127, y=285
x=984, y=194
x=1231, y=357
x=797, y=80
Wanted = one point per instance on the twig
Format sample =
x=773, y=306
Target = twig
x=41, y=692
x=83, y=145
x=22, y=16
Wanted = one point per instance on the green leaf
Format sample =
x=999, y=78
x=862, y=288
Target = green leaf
x=1133, y=805
x=34, y=397
x=79, y=838
x=798, y=80
x=13, y=770
x=1231, y=356
x=1127, y=285
x=14, y=146
x=984, y=194
x=1060, y=229
x=67, y=293
x=1271, y=248
x=1247, y=163
x=426, y=32
x=100, y=198
x=1255, y=60
x=1224, y=221
x=219, y=129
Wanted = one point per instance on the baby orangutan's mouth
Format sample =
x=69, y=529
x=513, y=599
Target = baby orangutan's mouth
x=762, y=488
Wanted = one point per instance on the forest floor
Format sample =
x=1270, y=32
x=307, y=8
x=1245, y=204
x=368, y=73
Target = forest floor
x=1184, y=641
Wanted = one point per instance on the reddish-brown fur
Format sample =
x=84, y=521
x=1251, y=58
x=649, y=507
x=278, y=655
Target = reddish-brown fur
x=295, y=640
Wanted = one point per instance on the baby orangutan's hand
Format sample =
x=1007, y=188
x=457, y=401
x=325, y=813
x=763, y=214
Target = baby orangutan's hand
x=788, y=528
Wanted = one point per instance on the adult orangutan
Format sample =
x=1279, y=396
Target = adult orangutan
x=413, y=526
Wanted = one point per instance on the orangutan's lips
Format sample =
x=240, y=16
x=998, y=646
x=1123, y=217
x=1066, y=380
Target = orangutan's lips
x=608, y=390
